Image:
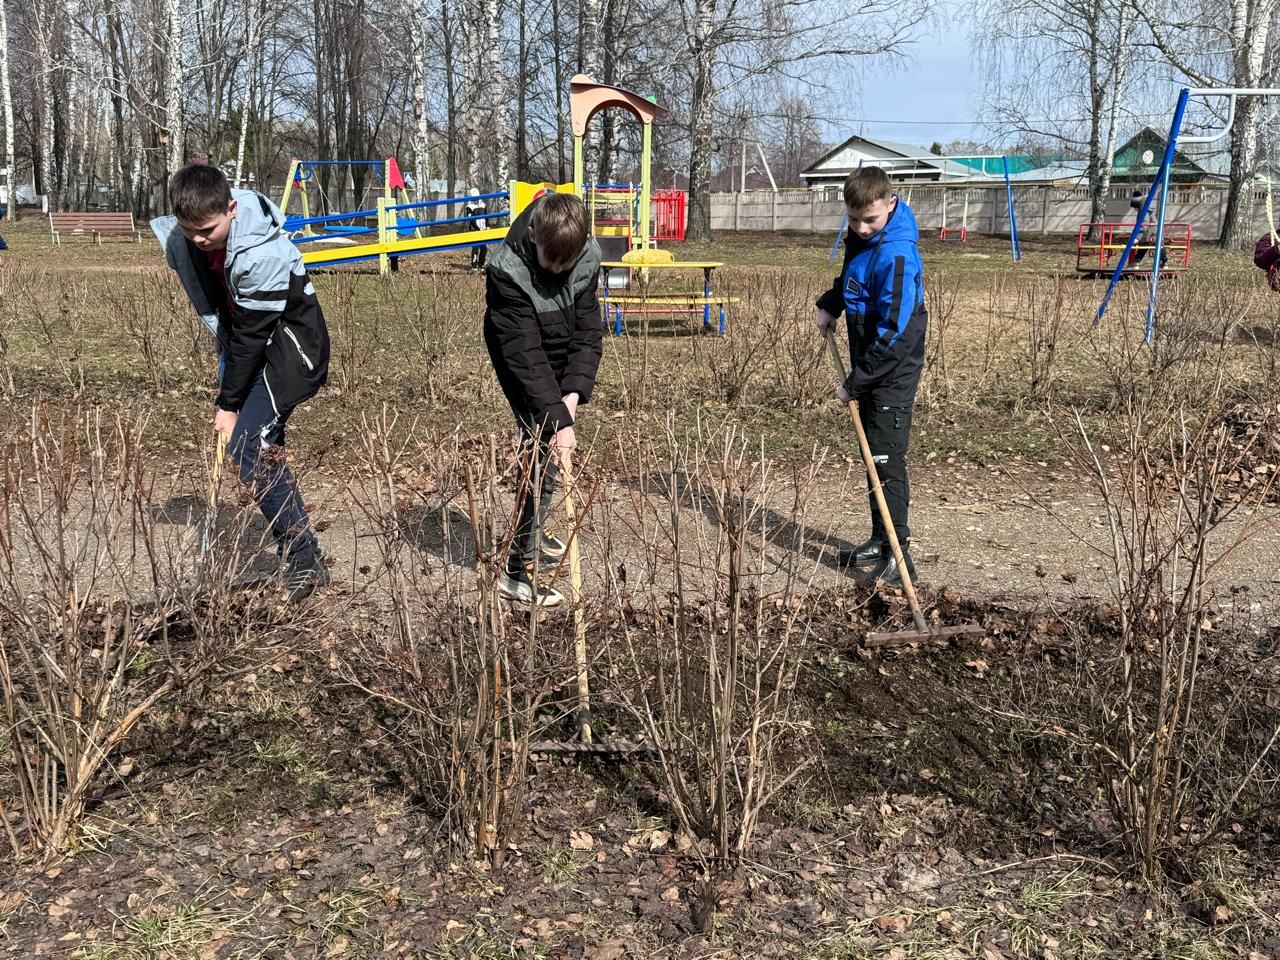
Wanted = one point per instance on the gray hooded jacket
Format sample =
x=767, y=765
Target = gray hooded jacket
x=274, y=325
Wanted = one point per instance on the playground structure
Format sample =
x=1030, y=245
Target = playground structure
x=400, y=234
x=1160, y=188
x=1099, y=257
x=930, y=164
x=628, y=220
x=586, y=99
x=384, y=174
x=963, y=235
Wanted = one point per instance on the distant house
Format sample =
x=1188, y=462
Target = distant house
x=903, y=162
x=909, y=165
x=1138, y=161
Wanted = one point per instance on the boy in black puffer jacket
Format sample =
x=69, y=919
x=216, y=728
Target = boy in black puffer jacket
x=542, y=327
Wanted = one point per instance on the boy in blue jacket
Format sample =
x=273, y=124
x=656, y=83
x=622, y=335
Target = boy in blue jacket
x=247, y=282
x=880, y=290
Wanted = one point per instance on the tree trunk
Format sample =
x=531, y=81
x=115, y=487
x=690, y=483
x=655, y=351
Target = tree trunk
x=557, y=58
x=6, y=104
x=253, y=30
x=1237, y=230
x=608, y=74
x=701, y=121
x=1119, y=62
x=473, y=72
x=124, y=185
x=591, y=16
x=451, y=104
x=45, y=107
x=174, y=68
x=416, y=14
x=498, y=96
x=522, y=96
x=1251, y=33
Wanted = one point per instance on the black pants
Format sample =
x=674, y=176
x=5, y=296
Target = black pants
x=888, y=434
x=478, y=255
x=538, y=474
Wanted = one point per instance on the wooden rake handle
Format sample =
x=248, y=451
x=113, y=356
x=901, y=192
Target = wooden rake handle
x=575, y=599
x=877, y=490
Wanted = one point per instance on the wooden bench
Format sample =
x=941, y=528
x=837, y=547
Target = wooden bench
x=93, y=224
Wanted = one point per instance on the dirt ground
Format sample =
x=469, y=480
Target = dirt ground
x=271, y=816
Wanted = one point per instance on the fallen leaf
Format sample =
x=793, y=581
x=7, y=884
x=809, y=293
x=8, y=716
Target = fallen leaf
x=581, y=840
x=671, y=894
x=613, y=950
x=886, y=924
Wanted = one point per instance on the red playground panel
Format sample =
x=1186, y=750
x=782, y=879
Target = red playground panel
x=669, y=207
x=1100, y=256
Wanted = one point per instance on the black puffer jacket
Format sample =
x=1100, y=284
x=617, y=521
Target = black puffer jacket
x=543, y=330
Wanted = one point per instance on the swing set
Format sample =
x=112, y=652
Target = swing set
x=1160, y=189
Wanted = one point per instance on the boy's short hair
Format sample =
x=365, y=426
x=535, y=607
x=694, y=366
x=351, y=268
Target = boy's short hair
x=199, y=191
x=559, y=225
x=865, y=186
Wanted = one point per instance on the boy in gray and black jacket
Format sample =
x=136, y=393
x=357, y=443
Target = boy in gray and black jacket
x=247, y=282
x=542, y=327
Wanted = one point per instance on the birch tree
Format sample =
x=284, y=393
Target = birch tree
x=253, y=29
x=1058, y=70
x=1223, y=43
x=497, y=94
x=6, y=104
x=174, y=71
x=415, y=14
x=739, y=45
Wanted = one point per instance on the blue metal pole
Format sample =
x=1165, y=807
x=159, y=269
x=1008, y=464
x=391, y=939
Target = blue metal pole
x=1161, y=177
x=1014, y=246
x=1167, y=175
x=836, y=246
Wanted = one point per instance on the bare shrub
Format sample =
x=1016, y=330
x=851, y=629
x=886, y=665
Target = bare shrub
x=457, y=688
x=153, y=313
x=942, y=296
x=1163, y=476
x=354, y=330
x=99, y=622
x=800, y=376
x=439, y=314
x=1041, y=304
x=709, y=675
x=760, y=324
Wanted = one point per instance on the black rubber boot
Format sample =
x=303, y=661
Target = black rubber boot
x=864, y=554
x=886, y=573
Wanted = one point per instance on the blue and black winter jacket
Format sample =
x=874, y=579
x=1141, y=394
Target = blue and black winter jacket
x=880, y=289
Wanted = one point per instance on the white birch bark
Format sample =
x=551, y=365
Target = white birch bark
x=474, y=74
x=174, y=72
x=254, y=29
x=44, y=92
x=6, y=104
x=416, y=15
x=497, y=95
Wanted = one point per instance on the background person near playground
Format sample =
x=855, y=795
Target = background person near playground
x=474, y=207
x=542, y=329
x=246, y=280
x=880, y=290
